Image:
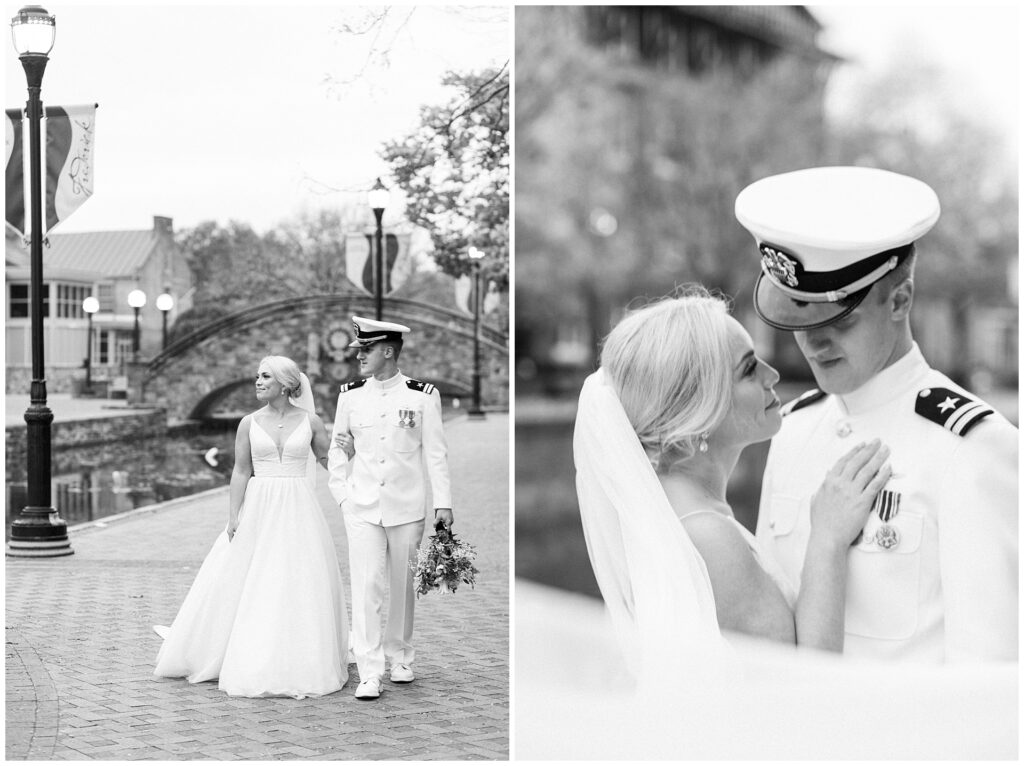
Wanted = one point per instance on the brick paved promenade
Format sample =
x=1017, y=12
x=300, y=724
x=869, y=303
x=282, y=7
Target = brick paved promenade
x=80, y=647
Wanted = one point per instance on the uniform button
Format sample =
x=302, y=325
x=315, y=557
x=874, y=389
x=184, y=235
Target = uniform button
x=381, y=460
x=843, y=429
x=382, y=483
x=383, y=414
x=771, y=524
x=382, y=438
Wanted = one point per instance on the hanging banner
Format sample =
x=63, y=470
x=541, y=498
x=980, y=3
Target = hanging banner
x=359, y=261
x=15, y=171
x=68, y=134
x=465, y=298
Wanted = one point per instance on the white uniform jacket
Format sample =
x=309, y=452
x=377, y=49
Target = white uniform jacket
x=940, y=584
x=399, y=444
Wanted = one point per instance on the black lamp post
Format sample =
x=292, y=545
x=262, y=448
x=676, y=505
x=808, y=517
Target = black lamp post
x=164, y=302
x=378, y=197
x=475, y=410
x=136, y=299
x=39, y=530
x=90, y=306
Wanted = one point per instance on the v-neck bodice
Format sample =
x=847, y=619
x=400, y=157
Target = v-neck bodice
x=290, y=461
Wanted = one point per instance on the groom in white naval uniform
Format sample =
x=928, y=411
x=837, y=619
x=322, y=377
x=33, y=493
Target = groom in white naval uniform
x=933, y=576
x=387, y=442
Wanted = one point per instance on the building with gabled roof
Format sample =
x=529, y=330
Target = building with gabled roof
x=106, y=265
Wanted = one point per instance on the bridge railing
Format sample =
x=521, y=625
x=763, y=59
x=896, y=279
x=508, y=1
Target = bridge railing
x=436, y=316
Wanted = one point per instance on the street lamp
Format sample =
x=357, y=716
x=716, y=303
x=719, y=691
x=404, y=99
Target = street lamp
x=475, y=411
x=165, y=303
x=378, y=197
x=90, y=306
x=39, y=530
x=136, y=299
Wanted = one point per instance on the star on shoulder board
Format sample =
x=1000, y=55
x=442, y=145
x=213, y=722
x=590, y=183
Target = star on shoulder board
x=353, y=385
x=419, y=385
x=954, y=411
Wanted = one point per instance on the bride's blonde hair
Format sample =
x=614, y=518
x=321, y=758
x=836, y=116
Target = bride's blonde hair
x=286, y=372
x=670, y=365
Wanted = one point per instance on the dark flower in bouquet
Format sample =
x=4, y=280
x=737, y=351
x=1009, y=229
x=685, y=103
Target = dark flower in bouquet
x=442, y=562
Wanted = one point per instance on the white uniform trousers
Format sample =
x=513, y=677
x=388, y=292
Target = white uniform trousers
x=380, y=556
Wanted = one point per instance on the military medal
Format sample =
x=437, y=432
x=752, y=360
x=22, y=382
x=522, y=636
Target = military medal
x=887, y=536
x=407, y=418
x=887, y=505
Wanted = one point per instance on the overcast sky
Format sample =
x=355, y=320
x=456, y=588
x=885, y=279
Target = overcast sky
x=213, y=111
x=976, y=46
x=222, y=112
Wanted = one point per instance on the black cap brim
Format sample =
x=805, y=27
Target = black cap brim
x=780, y=311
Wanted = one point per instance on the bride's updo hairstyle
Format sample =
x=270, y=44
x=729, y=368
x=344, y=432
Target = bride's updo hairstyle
x=670, y=365
x=285, y=372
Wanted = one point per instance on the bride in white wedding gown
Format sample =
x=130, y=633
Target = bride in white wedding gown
x=266, y=612
x=678, y=663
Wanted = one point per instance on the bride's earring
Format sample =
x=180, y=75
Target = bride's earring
x=702, y=443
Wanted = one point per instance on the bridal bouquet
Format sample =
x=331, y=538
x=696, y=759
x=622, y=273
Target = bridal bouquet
x=442, y=562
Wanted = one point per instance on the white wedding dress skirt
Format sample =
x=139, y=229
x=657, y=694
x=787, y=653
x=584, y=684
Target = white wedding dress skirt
x=266, y=613
x=576, y=700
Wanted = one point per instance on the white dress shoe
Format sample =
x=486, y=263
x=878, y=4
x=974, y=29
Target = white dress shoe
x=369, y=689
x=402, y=674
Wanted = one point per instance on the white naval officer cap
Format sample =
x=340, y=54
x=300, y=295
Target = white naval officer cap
x=370, y=331
x=826, y=235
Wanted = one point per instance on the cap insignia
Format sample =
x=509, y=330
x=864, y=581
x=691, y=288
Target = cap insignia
x=779, y=265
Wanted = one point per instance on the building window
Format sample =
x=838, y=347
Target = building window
x=113, y=348
x=69, y=301
x=105, y=295
x=18, y=301
x=103, y=347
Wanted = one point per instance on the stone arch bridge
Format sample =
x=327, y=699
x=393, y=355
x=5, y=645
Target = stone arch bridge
x=201, y=372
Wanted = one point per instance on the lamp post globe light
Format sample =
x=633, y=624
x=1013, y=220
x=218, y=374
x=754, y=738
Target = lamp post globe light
x=378, y=198
x=164, y=302
x=136, y=299
x=475, y=411
x=90, y=306
x=39, y=531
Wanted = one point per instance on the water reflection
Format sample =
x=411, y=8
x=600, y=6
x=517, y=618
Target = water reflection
x=94, y=482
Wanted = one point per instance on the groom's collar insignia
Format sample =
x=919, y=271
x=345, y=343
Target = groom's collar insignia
x=951, y=409
x=419, y=385
x=354, y=384
x=804, y=400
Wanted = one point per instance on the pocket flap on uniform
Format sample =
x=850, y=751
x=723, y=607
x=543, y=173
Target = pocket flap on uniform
x=783, y=514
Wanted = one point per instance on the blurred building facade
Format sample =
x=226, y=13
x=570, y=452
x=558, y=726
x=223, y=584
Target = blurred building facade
x=106, y=265
x=696, y=39
x=685, y=45
x=648, y=199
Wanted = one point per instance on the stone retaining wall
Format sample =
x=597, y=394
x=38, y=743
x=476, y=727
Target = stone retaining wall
x=83, y=433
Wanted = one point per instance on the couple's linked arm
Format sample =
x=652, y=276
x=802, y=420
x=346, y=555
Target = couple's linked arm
x=338, y=463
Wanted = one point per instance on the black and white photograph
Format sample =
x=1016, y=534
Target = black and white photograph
x=312, y=456
x=256, y=382
x=766, y=382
